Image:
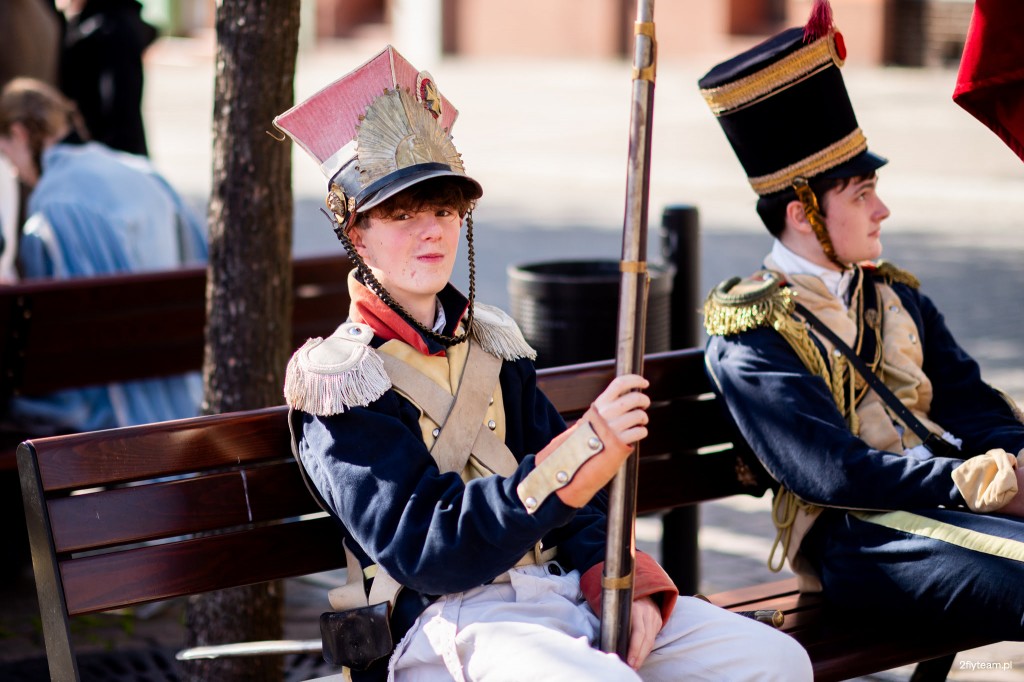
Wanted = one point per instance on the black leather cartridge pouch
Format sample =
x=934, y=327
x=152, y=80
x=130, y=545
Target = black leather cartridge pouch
x=357, y=637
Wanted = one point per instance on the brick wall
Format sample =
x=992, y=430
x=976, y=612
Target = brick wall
x=927, y=32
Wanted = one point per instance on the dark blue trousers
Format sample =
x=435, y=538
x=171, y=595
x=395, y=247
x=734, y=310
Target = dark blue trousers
x=955, y=569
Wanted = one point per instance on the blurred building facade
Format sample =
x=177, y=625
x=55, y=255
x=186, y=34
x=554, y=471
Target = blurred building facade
x=898, y=32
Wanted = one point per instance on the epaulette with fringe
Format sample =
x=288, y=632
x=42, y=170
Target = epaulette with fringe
x=896, y=275
x=328, y=376
x=741, y=304
x=498, y=334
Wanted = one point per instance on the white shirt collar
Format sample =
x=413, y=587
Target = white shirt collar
x=838, y=283
x=440, y=321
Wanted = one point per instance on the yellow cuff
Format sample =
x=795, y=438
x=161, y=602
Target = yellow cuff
x=557, y=470
x=987, y=481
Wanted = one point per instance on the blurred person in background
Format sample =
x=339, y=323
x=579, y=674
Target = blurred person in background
x=101, y=68
x=10, y=222
x=31, y=40
x=93, y=211
x=31, y=47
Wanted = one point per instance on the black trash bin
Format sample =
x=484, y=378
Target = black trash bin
x=568, y=310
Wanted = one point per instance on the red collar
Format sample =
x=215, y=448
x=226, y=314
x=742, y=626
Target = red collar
x=367, y=308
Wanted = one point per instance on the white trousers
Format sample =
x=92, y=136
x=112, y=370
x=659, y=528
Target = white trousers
x=538, y=628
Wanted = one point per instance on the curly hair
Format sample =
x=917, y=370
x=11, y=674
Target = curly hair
x=446, y=192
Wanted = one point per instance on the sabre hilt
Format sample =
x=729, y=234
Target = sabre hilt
x=772, y=617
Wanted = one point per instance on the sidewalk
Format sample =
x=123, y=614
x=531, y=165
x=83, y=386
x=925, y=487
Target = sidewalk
x=548, y=142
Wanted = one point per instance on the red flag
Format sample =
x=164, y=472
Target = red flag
x=990, y=84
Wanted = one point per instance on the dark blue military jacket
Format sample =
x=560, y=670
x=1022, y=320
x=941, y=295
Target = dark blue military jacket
x=432, y=532
x=790, y=420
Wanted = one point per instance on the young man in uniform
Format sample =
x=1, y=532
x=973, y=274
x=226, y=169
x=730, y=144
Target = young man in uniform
x=472, y=518
x=897, y=464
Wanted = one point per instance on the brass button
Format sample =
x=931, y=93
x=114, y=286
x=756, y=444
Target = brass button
x=491, y=424
x=594, y=443
x=530, y=502
x=436, y=433
x=837, y=353
x=894, y=309
x=491, y=401
x=562, y=477
x=913, y=338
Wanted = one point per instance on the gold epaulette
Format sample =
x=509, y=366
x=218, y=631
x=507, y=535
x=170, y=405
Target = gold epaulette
x=328, y=376
x=738, y=305
x=895, y=275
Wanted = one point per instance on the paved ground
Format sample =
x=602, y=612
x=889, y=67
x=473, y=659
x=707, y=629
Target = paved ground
x=548, y=142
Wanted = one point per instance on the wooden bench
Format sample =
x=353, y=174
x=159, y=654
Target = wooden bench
x=240, y=514
x=60, y=334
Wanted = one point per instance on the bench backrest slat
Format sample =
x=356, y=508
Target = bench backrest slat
x=107, y=518
x=109, y=581
x=676, y=481
x=59, y=334
x=121, y=323
x=116, y=456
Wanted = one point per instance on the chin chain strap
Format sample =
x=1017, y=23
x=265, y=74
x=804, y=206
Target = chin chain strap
x=817, y=220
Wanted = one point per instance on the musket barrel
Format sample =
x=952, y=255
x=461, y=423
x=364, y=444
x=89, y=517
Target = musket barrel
x=617, y=585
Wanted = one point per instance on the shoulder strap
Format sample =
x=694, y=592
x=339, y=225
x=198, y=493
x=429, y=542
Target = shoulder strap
x=933, y=442
x=460, y=417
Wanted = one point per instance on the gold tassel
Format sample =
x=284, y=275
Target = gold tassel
x=854, y=420
x=784, y=510
x=723, y=320
x=840, y=369
x=895, y=275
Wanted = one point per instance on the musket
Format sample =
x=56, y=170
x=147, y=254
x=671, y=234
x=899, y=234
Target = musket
x=617, y=582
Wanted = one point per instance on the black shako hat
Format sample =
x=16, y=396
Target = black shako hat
x=785, y=110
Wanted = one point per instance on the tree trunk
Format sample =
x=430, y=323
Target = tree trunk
x=248, y=295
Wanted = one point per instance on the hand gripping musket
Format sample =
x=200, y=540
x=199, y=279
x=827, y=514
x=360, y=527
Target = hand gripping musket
x=617, y=582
